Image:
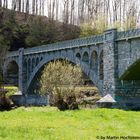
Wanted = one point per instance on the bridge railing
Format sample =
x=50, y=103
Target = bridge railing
x=13, y=53
x=66, y=44
x=62, y=45
x=133, y=33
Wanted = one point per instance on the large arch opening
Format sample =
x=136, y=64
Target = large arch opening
x=12, y=73
x=86, y=87
x=94, y=61
x=128, y=91
x=86, y=79
x=132, y=73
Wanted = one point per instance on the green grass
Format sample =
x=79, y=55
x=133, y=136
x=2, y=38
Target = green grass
x=50, y=124
x=11, y=90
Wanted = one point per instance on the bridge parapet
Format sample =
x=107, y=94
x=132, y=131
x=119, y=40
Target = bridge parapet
x=133, y=33
x=66, y=44
x=62, y=45
x=12, y=54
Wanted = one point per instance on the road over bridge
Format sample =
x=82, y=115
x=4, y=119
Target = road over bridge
x=111, y=61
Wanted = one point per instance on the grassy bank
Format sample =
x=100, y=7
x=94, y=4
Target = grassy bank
x=51, y=124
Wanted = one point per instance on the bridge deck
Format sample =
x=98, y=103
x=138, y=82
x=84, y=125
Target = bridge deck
x=62, y=45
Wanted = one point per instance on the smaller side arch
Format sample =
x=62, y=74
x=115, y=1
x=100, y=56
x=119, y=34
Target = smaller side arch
x=41, y=58
x=33, y=63
x=78, y=55
x=29, y=66
x=37, y=61
x=132, y=72
x=94, y=61
x=85, y=57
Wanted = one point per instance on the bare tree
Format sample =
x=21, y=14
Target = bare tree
x=23, y=4
x=36, y=7
x=27, y=6
x=5, y=3
x=0, y=3
x=33, y=7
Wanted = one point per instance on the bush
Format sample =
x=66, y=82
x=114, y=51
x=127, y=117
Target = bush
x=5, y=102
x=59, y=79
x=60, y=103
x=66, y=102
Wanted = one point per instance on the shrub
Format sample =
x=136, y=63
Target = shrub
x=5, y=102
x=59, y=79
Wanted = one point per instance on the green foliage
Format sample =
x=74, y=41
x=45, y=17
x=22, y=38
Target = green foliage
x=59, y=79
x=129, y=23
x=11, y=90
x=8, y=31
x=99, y=25
x=37, y=32
x=47, y=123
x=45, y=32
x=5, y=101
x=60, y=76
x=95, y=27
x=33, y=31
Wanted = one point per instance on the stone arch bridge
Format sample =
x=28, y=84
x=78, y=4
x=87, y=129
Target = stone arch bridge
x=111, y=61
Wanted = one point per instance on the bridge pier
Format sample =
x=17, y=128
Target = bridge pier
x=110, y=62
x=21, y=79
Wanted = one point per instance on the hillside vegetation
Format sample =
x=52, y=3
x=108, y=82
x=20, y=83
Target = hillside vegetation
x=20, y=30
x=50, y=124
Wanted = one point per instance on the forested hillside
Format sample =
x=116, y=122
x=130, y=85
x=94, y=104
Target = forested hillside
x=23, y=30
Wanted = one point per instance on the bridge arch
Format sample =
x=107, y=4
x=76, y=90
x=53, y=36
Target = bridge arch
x=41, y=58
x=85, y=57
x=78, y=55
x=94, y=61
x=45, y=61
x=33, y=63
x=132, y=72
x=37, y=61
x=29, y=65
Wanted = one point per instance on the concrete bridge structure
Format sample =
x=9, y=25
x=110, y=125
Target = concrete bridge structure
x=111, y=61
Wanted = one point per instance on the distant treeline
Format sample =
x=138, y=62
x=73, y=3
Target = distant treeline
x=79, y=11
